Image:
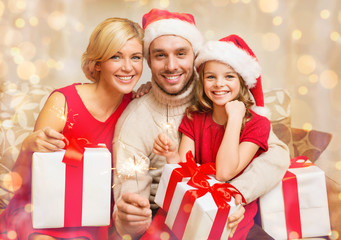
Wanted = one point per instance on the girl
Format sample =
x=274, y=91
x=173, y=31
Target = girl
x=113, y=62
x=221, y=126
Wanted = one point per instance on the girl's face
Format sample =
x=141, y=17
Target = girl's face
x=221, y=83
x=124, y=68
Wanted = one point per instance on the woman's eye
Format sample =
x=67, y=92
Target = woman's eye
x=115, y=57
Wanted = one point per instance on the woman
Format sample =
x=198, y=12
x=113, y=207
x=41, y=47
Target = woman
x=113, y=62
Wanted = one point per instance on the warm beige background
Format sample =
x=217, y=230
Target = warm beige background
x=298, y=43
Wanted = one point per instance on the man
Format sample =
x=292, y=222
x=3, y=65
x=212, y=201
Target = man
x=170, y=44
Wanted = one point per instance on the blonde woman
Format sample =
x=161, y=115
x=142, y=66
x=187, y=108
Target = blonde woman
x=113, y=62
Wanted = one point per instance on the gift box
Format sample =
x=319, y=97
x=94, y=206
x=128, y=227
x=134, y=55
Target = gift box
x=174, y=173
x=198, y=212
x=298, y=206
x=67, y=195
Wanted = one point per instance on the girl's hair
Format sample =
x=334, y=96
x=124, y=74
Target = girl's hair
x=106, y=40
x=203, y=104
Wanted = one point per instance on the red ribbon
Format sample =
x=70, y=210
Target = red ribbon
x=291, y=198
x=221, y=193
x=73, y=159
x=187, y=169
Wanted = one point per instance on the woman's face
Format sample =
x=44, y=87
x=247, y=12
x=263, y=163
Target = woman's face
x=221, y=83
x=124, y=68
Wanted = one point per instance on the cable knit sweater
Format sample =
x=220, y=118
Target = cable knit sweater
x=146, y=117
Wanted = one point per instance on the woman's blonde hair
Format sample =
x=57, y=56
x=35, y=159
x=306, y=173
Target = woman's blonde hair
x=106, y=40
x=203, y=104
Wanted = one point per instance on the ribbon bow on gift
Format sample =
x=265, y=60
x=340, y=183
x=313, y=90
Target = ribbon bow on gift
x=221, y=193
x=74, y=150
x=187, y=169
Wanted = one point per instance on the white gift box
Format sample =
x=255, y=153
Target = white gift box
x=202, y=215
x=313, y=206
x=164, y=182
x=48, y=189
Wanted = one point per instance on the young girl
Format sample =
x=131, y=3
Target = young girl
x=221, y=126
x=113, y=62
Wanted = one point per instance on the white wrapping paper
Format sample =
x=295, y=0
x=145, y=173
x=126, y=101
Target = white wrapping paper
x=313, y=205
x=48, y=188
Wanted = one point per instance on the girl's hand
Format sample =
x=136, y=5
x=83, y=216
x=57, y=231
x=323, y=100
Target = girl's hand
x=164, y=146
x=43, y=140
x=142, y=90
x=235, y=108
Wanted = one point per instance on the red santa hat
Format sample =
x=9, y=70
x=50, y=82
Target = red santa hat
x=162, y=22
x=234, y=51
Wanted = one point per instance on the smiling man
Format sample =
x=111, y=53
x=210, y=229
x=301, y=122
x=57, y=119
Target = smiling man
x=170, y=44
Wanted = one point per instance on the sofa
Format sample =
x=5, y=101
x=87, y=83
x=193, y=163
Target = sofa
x=21, y=103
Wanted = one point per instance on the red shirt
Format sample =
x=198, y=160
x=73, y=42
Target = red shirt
x=208, y=135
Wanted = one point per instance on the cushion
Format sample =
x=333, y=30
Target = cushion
x=310, y=143
x=20, y=105
x=278, y=102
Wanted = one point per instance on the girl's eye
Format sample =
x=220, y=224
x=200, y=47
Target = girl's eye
x=136, y=57
x=209, y=77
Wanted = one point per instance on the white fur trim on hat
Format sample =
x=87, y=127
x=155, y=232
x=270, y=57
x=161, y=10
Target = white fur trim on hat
x=227, y=52
x=172, y=27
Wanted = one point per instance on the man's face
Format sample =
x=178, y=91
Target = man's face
x=171, y=62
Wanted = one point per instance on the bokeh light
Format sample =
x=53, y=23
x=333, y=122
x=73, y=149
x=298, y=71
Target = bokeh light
x=42, y=68
x=303, y=90
x=12, y=234
x=2, y=8
x=277, y=21
x=34, y=21
x=16, y=6
x=306, y=64
x=27, y=50
x=164, y=3
x=56, y=20
x=20, y=23
x=28, y=207
x=296, y=34
x=324, y=14
x=126, y=237
x=268, y=6
x=246, y=1
x=220, y=3
x=307, y=126
x=335, y=36
x=143, y=2
x=328, y=79
x=270, y=42
x=12, y=181
x=3, y=68
x=334, y=235
x=313, y=78
x=339, y=16
x=164, y=236
x=338, y=165
x=25, y=70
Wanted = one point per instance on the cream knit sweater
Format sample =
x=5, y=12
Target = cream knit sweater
x=146, y=117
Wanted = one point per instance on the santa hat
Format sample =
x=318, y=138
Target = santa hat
x=162, y=22
x=233, y=51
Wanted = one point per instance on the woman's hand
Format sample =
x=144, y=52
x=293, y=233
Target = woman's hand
x=43, y=140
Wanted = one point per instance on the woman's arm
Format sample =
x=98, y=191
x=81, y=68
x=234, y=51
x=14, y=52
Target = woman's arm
x=46, y=136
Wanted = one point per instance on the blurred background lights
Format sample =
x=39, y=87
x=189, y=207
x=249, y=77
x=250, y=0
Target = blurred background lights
x=164, y=3
x=28, y=207
x=313, y=78
x=296, y=34
x=3, y=68
x=220, y=3
x=306, y=64
x=19, y=23
x=325, y=14
x=2, y=8
x=27, y=50
x=16, y=6
x=12, y=234
x=307, y=126
x=42, y=68
x=164, y=236
x=268, y=6
x=328, y=79
x=143, y=2
x=277, y=21
x=338, y=165
x=270, y=42
x=34, y=79
x=25, y=70
x=335, y=36
x=303, y=90
x=56, y=20
x=33, y=21
x=246, y=1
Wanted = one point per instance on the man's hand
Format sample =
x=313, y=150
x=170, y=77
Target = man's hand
x=133, y=215
x=236, y=217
